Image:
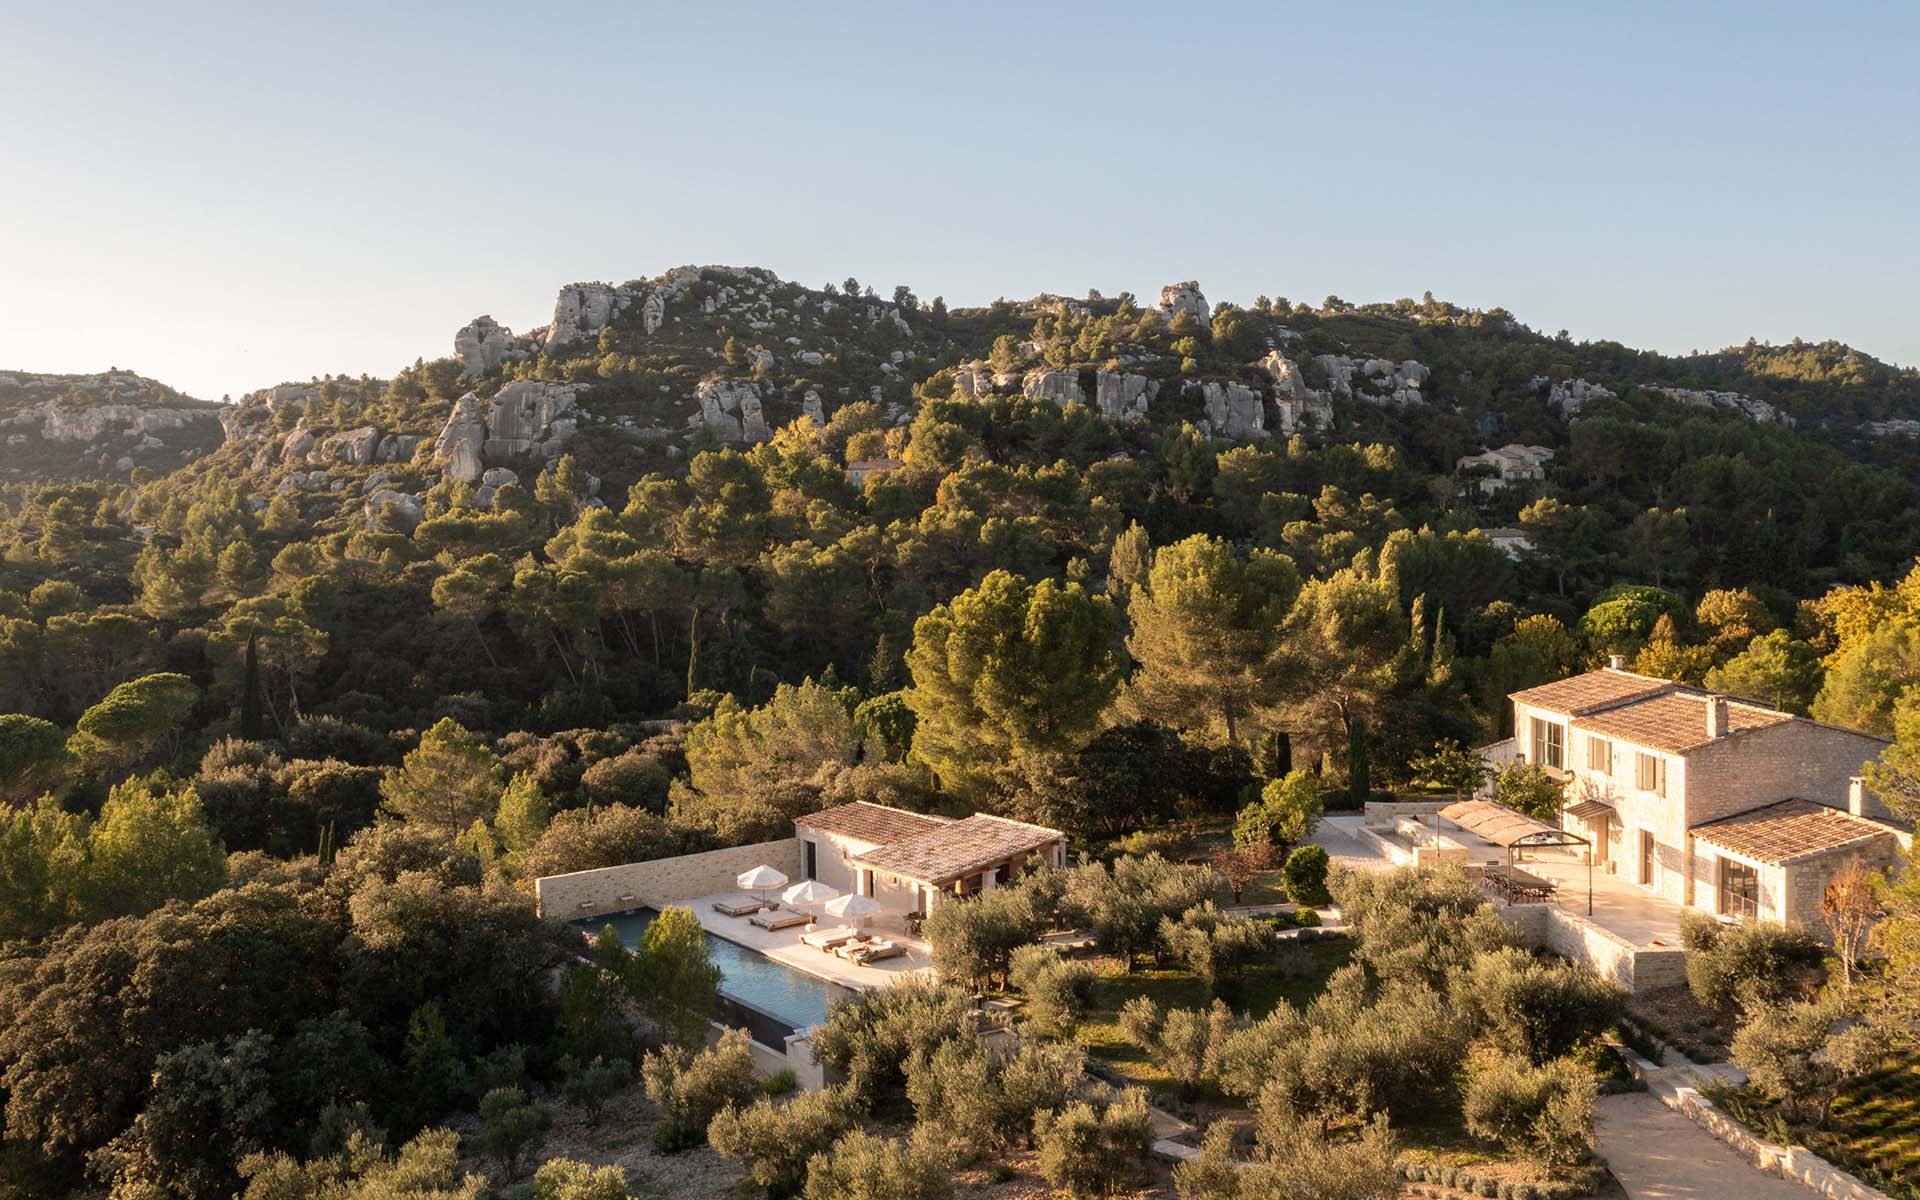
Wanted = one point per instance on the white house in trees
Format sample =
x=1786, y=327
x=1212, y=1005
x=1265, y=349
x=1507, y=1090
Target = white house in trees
x=1709, y=800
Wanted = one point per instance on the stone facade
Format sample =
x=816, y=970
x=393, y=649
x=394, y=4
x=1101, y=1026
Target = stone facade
x=608, y=890
x=1722, y=776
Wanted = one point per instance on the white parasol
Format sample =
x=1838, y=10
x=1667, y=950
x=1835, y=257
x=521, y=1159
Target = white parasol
x=807, y=892
x=854, y=906
x=761, y=880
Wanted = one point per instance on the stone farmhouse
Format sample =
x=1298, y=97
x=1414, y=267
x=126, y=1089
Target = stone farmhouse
x=1511, y=463
x=908, y=861
x=1708, y=800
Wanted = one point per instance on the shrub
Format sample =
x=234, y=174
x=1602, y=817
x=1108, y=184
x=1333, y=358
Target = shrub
x=1058, y=992
x=863, y=1167
x=1306, y=876
x=1216, y=947
x=1543, y=1113
x=1089, y=1151
x=590, y=1085
x=870, y=1038
x=1794, y=1056
x=781, y=1083
x=1753, y=964
x=1537, y=1008
x=567, y=1179
x=1297, y=1159
x=777, y=1138
x=510, y=1126
x=1418, y=924
x=1186, y=1043
x=987, y=1098
x=690, y=1089
x=1123, y=906
x=974, y=940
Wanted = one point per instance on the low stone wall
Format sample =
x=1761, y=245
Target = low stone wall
x=1571, y=936
x=1381, y=814
x=663, y=881
x=1789, y=1162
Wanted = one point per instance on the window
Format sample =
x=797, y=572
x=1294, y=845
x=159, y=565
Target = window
x=1651, y=773
x=1549, y=743
x=813, y=863
x=1600, y=755
x=1739, y=889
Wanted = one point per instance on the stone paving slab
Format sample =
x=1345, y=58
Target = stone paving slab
x=1658, y=1154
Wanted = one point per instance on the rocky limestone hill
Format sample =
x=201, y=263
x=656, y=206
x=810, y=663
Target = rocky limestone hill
x=635, y=377
x=100, y=426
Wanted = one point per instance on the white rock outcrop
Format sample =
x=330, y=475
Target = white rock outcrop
x=1300, y=408
x=1568, y=396
x=1233, y=409
x=1758, y=410
x=582, y=310
x=482, y=345
x=387, y=509
x=529, y=418
x=1377, y=380
x=1176, y=298
x=1123, y=397
x=462, y=442
x=732, y=409
x=813, y=410
x=354, y=447
x=1061, y=387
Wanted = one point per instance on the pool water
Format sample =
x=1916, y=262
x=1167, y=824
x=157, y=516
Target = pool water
x=793, y=999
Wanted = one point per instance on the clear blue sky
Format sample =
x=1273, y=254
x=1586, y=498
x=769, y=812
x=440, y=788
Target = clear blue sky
x=224, y=196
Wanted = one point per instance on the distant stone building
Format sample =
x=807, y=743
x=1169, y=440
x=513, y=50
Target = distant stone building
x=867, y=468
x=1492, y=470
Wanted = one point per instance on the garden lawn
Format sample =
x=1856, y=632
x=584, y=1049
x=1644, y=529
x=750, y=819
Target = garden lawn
x=1259, y=992
x=1873, y=1131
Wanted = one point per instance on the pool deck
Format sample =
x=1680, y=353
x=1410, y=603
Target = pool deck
x=785, y=947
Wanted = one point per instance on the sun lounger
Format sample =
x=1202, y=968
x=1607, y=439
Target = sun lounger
x=780, y=920
x=875, y=951
x=852, y=946
x=736, y=906
x=827, y=939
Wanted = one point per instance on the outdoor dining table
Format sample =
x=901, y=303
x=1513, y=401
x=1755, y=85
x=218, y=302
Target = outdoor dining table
x=1520, y=887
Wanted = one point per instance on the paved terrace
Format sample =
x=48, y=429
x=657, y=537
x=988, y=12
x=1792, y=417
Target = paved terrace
x=1619, y=907
x=784, y=946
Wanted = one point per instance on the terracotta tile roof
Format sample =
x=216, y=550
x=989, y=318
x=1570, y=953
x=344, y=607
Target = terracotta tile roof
x=1789, y=830
x=942, y=855
x=1593, y=691
x=874, y=823
x=1676, y=721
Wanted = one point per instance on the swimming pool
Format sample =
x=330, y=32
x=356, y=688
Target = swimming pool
x=768, y=999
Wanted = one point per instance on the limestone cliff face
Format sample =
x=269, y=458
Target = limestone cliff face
x=528, y=420
x=732, y=409
x=70, y=425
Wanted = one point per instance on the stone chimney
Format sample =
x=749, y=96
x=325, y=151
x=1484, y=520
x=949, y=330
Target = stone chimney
x=1716, y=716
x=1616, y=662
x=1857, y=796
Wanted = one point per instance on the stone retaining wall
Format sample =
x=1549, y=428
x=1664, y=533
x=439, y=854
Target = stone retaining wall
x=1789, y=1162
x=1572, y=937
x=663, y=881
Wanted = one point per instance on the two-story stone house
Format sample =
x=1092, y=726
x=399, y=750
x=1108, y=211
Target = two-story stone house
x=1709, y=800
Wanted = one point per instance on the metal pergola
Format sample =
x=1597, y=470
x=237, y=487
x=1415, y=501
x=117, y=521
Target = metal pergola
x=1555, y=839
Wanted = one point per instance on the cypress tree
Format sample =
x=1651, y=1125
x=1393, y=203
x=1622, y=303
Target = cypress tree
x=250, y=692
